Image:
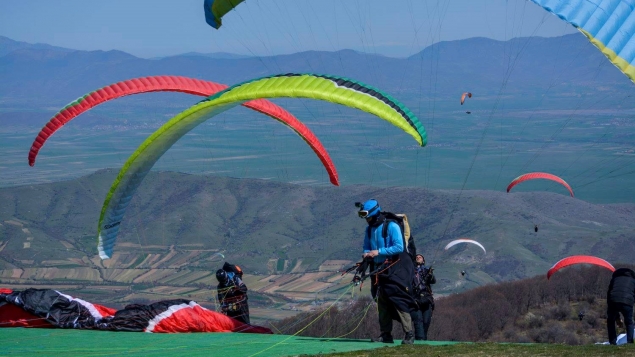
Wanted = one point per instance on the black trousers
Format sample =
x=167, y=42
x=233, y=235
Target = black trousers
x=421, y=319
x=613, y=314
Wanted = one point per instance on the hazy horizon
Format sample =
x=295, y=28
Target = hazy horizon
x=145, y=28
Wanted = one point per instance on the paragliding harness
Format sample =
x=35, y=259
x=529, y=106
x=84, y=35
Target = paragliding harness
x=422, y=290
x=375, y=271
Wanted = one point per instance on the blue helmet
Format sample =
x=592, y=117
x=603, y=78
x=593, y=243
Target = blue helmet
x=368, y=209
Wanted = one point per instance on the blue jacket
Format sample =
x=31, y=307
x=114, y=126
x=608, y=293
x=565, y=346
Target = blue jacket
x=393, y=243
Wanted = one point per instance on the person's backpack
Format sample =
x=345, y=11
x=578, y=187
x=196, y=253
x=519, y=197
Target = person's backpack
x=402, y=221
x=232, y=268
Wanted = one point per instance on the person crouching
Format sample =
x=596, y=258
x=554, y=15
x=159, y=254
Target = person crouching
x=232, y=295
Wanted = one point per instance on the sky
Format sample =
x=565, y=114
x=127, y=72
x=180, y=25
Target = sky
x=157, y=28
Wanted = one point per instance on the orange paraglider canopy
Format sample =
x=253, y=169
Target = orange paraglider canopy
x=466, y=94
x=539, y=175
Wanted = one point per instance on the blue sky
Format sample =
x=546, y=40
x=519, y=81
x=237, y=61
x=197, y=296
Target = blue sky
x=152, y=28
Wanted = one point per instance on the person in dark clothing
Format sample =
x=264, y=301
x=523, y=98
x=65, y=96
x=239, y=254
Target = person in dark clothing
x=620, y=298
x=232, y=295
x=391, y=272
x=422, y=317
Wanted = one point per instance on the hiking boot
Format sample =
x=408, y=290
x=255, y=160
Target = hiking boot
x=384, y=338
x=408, y=339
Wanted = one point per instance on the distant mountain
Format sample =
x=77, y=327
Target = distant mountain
x=521, y=68
x=215, y=55
x=8, y=45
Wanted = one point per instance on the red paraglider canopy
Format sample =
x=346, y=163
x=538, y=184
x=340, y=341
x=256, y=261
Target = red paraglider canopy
x=539, y=175
x=182, y=85
x=579, y=259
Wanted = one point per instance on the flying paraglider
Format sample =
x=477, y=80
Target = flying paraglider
x=466, y=94
x=539, y=175
x=216, y=9
x=217, y=257
x=175, y=84
x=323, y=87
x=463, y=240
x=579, y=259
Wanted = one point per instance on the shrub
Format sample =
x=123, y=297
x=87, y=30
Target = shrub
x=560, y=312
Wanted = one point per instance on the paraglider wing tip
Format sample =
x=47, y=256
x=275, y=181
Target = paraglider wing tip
x=31, y=163
x=100, y=248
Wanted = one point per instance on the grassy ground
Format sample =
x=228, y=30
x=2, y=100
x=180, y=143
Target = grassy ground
x=496, y=349
x=56, y=342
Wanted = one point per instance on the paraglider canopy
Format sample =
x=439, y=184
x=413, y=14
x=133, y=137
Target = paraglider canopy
x=332, y=89
x=539, y=175
x=216, y=9
x=579, y=259
x=464, y=95
x=464, y=240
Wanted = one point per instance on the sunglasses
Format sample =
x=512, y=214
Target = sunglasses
x=363, y=213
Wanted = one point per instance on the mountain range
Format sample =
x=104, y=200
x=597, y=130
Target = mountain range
x=522, y=68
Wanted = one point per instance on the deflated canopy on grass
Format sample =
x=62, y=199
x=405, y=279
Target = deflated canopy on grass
x=323, y=87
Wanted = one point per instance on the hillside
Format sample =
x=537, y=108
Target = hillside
x=568, y=309
x=291, y=239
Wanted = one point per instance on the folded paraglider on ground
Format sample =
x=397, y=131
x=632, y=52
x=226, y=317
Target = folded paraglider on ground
x=53, y=309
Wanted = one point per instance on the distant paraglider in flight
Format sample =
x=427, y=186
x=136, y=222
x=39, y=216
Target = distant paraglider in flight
x=217, y=257
x=579, y=259
x=536, y=228
x=463, y=240
x=539, y=175
x=464, y=95
x=322, y=87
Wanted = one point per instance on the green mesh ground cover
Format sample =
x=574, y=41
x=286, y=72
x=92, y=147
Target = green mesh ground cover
x=58, y=342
